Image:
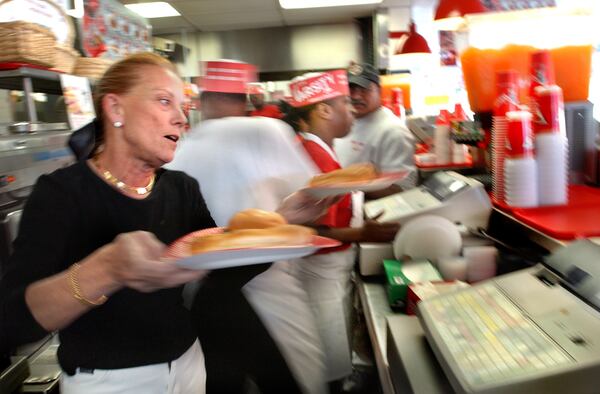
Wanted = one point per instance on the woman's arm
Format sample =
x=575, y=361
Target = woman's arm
x=52, y=300
x=131, y=260
x=37, y=293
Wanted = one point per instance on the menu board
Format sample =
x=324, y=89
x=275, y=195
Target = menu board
x=506, y=5
x=78, y=100
x=112, y=31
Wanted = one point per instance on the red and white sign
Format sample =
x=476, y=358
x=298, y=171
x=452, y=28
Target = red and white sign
x=312, y=89
x=78, y=100
x=226, y=76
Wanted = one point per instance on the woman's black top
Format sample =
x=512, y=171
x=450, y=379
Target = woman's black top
x=70, y=214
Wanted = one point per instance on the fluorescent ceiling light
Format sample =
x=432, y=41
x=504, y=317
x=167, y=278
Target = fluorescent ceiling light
x=294, y=4
x=157, y=9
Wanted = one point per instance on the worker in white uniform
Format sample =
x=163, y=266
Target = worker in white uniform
x=243, y=162
x=378, y=136
x=322, y=101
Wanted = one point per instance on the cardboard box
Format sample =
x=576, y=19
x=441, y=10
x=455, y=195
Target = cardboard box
x=401, y=274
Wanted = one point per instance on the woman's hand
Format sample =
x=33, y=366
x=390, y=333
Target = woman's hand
x=300, y=207
x=134, y=260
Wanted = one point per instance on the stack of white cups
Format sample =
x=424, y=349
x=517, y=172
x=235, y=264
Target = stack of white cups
x=551, y=155
x=498, y=156
x=459, y=152
x=551, y=147
x=506, y=101
x=520, y=167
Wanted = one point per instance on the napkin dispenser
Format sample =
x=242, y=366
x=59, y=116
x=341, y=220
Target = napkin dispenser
x=371, y=256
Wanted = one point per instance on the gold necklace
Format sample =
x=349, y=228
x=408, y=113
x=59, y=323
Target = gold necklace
x=113, y=180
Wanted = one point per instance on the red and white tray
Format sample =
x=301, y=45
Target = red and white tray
x=181, y=252
x=381, y=182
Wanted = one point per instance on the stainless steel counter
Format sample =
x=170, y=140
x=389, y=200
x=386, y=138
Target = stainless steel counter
x=376, y=309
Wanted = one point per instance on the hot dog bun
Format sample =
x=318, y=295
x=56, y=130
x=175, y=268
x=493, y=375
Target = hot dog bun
x=352, y=173
x=255, y=218
x=285, y=235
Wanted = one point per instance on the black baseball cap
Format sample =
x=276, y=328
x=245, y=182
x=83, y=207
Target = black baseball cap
x=362, y=74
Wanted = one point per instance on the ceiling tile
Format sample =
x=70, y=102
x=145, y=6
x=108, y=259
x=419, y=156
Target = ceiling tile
x=214, y=15
x=326, y=14
x=241, y=26
x=243, y=19
x=170, y=24
x=215, y=6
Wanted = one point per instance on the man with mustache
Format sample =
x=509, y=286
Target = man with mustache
x=378, y=136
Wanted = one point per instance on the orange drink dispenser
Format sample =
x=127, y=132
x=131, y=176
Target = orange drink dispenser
x=481, y=65
x=517, y=58
x=479, y=73
x=389, y=82
x=572, y=69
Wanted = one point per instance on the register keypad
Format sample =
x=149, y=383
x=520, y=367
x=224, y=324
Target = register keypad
x=490, y=339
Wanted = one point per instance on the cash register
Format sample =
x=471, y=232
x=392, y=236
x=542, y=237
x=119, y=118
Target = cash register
x=460, y=199
x=446, y=193
x=530, y=331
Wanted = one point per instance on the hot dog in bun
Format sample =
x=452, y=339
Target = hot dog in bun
x=254, y=219
x=352, y=173
x=284, y=235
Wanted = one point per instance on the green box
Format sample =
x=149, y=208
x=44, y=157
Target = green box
x=400, y=274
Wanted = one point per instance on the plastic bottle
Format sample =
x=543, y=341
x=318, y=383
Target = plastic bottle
x=441, y=138
x=459, y=151
x=459, y=113
x=398, y=103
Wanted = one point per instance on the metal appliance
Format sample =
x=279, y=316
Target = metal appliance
x=28, y=149
x=23, y=158
x=582, y=134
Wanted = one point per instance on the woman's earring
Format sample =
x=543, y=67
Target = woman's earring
x=118, y=124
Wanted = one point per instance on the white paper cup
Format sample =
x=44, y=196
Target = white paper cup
x=481, y=262
x=453, y=268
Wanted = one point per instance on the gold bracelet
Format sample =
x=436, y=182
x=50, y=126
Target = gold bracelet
x=77, y=290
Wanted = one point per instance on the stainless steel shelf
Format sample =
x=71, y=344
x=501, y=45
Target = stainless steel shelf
x=42, y=81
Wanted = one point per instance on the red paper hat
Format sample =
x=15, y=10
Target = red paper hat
x=255, y=89
x=226, y=76
x=314, y=88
